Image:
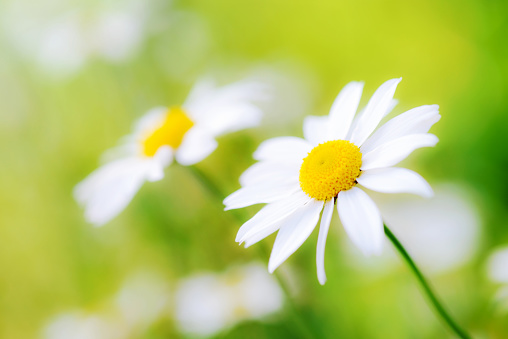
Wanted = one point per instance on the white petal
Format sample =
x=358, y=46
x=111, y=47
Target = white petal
x=127, y=149
x=326, y=218
x=228, y=108
x=343, y=110
x=293, y=232
x=394, y=151
x=259, y=194
x=197, y=144
x=271, y=214
x=359, y=117
x=151, y=120
x=361, y=220
x=269, y=171
x=315, y=129
x=395, y=180
x=108, y=190
x=203, y=88
x=375, y=111
x=283, y=149
x=415, y=121
x=231, y=118
x=160, y=160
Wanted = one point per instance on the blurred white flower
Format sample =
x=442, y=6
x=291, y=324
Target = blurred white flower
x=78, y=326
x=209, y=303
x=300, y=178
x=143, y=299
x=441, y=233
x=186, y=133
x=497, y=270
x=61, y=36
x=498, y=266
x=294, y=91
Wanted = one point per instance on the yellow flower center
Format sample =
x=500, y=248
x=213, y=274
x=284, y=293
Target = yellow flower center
x=329, y=168
x=170, y=133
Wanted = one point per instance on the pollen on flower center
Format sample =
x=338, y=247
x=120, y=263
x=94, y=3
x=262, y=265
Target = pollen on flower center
x=170, y=133
x=329, y=168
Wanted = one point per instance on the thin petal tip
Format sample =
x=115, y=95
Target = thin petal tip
x=322, y=280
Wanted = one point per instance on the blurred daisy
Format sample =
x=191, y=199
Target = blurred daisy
x=497, y=269
x=185, y=133
x=79, y=326
x=142, y=300
x=209, y=303
x=61, y=37
x=299, y=178
x=441, y=234
x=498, y=266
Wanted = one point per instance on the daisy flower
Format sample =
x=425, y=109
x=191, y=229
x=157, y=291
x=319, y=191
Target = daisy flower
x=62, y=37
x=209, y=303
x=185, y=133
x=300, y=178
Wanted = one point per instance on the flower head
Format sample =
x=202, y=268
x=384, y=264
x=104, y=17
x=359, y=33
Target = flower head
x=300, y=178
x=62, y=37
x=186, y=133
x=208, y=303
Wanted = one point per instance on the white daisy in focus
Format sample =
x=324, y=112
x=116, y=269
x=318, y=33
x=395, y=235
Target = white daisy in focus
x=209, y=303
x=298, y=178
x=185, y=133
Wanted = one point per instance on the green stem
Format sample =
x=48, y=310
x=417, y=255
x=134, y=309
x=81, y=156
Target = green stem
x=298, y=319
x=426, y=287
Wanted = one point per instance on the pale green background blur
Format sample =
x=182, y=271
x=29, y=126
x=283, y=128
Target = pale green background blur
x=53, y=129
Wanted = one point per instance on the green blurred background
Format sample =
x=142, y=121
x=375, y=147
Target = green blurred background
x=55, y=124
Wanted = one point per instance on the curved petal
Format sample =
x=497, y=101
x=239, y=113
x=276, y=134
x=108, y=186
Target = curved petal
x=326, y=218
x=293, y=232
x=374, y=111
x=259, y=194
x=361, y=220
x=343, y=110
x=359, y=117
x=315, y=129
x=159, y=161
x=150, y=120
x=283, y=149
x=197, y=144
x=231, y=118
x=221, y=108
x=415, y=121
x=127, y=149
x=270, y=215
x=108, y=190
x=269, y=171
x=393, y=152
x=395, y=180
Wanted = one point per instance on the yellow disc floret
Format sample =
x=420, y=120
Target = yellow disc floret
x=329, y=168
x=170, y=133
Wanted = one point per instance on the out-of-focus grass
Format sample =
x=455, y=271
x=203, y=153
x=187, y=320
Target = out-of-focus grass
x=52, y=132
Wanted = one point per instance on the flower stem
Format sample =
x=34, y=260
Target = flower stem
x=301, y=325
x=426, y=287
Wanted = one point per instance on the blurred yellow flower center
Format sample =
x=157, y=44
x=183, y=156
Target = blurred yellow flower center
x=329, y=168
x=170, y=133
